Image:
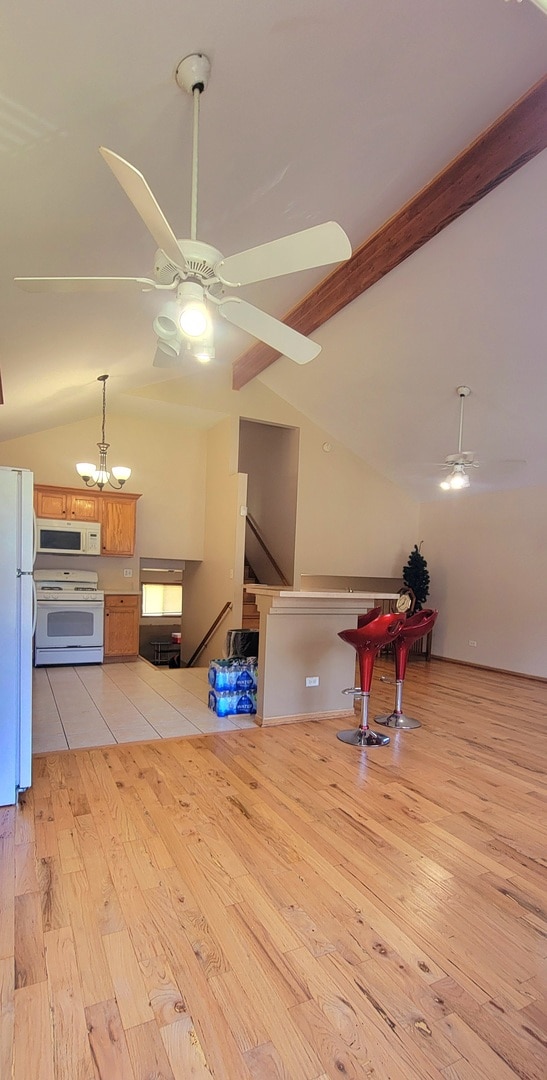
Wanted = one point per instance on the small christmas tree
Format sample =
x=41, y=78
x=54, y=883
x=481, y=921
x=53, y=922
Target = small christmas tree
x=416, y=576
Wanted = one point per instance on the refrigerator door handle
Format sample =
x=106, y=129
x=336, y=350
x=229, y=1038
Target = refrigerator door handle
x=34, y=607
x=34, y=536
x=28, y=573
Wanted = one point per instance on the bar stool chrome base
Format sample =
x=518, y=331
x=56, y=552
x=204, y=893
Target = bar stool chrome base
x=398, y=721
x=397, y=718
x=362, y=737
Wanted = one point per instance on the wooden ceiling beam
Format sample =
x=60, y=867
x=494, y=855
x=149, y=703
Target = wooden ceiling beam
x=512, y=140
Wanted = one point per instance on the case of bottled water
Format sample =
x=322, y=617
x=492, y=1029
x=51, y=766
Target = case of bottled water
x=233, y=686
x=232, y=702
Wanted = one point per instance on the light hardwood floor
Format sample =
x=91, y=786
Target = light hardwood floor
x=272, y=903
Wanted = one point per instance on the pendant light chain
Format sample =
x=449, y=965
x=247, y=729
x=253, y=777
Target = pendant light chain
x=104, y=378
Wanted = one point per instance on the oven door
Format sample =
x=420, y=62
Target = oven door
x=69, y=624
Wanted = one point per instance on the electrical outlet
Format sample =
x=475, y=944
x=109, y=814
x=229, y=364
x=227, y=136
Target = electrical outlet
x=472, y=643
x=312, y=680
x=128, y=572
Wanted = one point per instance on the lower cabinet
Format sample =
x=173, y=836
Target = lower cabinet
x=121, y=627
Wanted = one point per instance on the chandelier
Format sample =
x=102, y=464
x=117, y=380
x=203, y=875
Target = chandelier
x=98, y=477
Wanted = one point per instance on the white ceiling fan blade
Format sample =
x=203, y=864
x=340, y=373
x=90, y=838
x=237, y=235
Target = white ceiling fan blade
x=89, y=284
x=318, y=246
x=273, y=332
x=137, y=190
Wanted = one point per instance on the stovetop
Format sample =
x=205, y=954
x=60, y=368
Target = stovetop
x=51, y=593
x=67, y=585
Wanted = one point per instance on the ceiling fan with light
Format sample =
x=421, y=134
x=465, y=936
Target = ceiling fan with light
x=197, y=273
x=459, y=463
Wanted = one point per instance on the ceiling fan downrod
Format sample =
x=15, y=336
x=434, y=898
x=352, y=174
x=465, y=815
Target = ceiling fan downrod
x=192, y=75
x=463, y=392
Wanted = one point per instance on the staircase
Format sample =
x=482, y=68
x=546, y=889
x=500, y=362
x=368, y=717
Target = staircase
x=250, y=617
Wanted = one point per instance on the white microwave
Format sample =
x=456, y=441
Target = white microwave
x=68, y=537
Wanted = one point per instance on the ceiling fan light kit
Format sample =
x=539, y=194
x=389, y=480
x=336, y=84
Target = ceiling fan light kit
x=198, y=272
x=193, y=316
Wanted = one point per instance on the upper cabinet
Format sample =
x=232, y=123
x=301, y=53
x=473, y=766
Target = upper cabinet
x=116, y=513
x=118, y=522
x=62, y=503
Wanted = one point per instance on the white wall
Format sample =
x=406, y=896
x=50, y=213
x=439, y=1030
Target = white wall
x=486, y=556
x=268, y=453
x=350, y=519
x=219, y=578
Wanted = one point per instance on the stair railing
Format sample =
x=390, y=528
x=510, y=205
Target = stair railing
x=256, y=532
x=227, y=607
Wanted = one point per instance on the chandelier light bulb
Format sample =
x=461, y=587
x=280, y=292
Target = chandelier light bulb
x=445, y=485
x=457, y=481
x=86, y=470
x=121, y=472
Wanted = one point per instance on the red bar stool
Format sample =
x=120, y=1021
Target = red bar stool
x=415, y=627
x=363, y=620
x=367, y=640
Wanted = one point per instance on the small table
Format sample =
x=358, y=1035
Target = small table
x=164, y=650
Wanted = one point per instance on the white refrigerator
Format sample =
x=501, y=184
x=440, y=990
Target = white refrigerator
x=17, y=607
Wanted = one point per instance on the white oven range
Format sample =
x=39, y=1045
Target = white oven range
x=69, y=617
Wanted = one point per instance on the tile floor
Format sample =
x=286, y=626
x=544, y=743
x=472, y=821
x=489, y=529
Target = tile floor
x=94, y=705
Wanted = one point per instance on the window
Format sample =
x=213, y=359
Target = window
x=162, y=600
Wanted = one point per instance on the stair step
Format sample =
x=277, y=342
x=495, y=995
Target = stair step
x=250, y=618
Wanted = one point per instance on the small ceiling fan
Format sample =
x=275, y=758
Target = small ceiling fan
x=459, y=463
x=197, y=273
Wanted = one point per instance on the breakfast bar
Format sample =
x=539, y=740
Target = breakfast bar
x=303, y=666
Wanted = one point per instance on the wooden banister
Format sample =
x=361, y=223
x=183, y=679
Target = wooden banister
x=256, y=532
x=210, y=632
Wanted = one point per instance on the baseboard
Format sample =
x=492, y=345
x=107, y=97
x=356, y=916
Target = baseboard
x=121, y=659
x=275, y=721
x=485, y=667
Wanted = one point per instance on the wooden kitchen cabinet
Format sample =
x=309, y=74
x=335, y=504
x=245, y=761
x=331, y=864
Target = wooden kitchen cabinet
x=121, y=627
x=118, y=520
x=115, y=512
x=58, y=503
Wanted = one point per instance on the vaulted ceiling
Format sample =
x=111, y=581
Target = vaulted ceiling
x=314, y=111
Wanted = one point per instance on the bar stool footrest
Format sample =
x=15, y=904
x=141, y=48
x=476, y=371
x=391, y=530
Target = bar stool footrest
x=355, y=690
